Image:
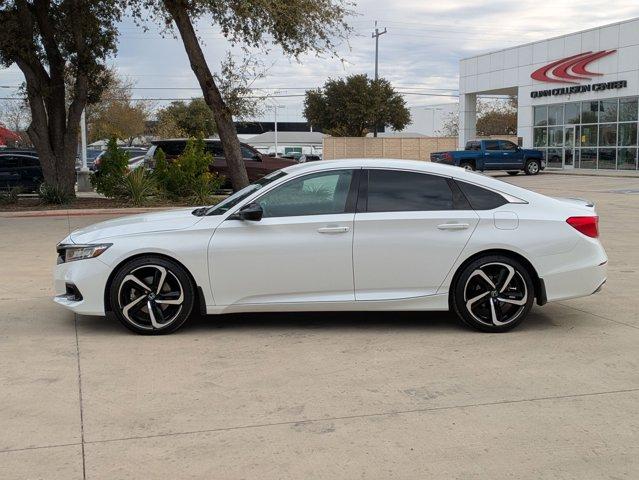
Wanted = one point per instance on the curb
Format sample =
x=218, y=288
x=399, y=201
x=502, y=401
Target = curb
x=79, y=212
x=594, y=173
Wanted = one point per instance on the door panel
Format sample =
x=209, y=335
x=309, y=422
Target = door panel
x=407, y=254
x=285, y=259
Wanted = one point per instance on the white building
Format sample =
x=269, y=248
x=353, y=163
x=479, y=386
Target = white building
x=577, y=95
x=288, y=142
x=429, y=120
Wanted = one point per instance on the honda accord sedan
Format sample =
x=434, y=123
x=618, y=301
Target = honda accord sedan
x=335, y=236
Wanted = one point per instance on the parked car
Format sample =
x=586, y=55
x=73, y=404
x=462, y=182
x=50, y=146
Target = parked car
x=134, y=157
x=493, y=155
x=20, y=168
x=365, y=234
x=257, y=164
x=309, y=158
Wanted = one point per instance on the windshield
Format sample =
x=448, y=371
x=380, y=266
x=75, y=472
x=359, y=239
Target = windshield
x=240, y=195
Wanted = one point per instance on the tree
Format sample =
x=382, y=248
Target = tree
x=297, y=26
x=52, y=43
x=15, y=114
x=355, y=106
x=182, y=119
x=116, y=114
x=494, y=117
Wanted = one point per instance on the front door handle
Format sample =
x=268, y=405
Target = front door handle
x=333, y=229
x=453, y=226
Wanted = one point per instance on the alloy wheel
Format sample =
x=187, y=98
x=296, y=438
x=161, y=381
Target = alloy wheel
x=495, y=294
x=533, y=167
x=150, y=297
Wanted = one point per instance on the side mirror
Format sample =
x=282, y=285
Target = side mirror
x=257, y=157
x=252, y=211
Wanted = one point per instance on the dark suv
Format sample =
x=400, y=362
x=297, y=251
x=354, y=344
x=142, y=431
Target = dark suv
x=20, y=168
x=257, y=164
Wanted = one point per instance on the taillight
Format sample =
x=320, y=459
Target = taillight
x=589, y=226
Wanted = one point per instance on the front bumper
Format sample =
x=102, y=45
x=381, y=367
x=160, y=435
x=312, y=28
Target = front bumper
x=89, y=277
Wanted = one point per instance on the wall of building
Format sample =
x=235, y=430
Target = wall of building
x=402, y=148
x=508, y=71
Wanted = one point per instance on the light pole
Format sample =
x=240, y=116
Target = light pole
x=376, y=36
x=275, y=107
x=84, y=185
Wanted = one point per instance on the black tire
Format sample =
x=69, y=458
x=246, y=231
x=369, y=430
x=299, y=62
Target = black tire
x=513, y=173
x=171, y=294
x=467, y=166
x=532, y=167
x=503, y=315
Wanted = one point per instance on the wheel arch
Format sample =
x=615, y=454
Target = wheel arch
x=200, y=300
x=538, y=282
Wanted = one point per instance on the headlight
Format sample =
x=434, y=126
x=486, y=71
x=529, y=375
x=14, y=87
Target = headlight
x=71, y=253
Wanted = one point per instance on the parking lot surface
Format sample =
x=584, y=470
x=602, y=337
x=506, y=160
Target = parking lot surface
x=336, y=396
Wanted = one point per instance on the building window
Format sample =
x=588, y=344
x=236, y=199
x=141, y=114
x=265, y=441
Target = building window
x=556, y=114
x=572, y=113
x=608, y=135
x=540, y=137
x=627, y=159
x=628, y=110
x=627, y=134
x=541, y=116
x=589, y=112
x=608, y=111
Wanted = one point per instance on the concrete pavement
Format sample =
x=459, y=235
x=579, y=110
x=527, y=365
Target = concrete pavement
x=364, y=395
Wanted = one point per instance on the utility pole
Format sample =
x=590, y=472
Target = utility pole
x=376, y=36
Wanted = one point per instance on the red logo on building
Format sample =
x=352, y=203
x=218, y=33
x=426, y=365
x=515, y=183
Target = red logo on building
x=571, y=68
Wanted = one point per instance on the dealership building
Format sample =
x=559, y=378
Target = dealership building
x=577, y=95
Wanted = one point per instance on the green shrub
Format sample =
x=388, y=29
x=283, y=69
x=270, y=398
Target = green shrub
x=137, y=186
x=188, y=175
x=54, y=195
x=114, y=166
x=10, y=197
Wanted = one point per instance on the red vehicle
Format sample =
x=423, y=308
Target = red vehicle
x=257, y=164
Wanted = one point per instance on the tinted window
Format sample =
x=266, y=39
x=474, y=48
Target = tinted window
x=480, y=198
x=317, y=194
x=30, y=162
x=396, y=191
x=215, y=148
x=8, y=161
x=492, y=145
x=247, y=153
x=172, y=149
x=473, y=146
x=506, y=145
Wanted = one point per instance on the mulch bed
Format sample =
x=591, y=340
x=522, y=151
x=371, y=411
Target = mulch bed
x=28, y=204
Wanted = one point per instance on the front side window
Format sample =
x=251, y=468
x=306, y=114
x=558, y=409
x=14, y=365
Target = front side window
x=398, y=191
x=506, y=145
x=248, y=154
x=322, y=193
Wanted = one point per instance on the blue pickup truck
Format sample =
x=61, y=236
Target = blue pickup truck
x=493, y=155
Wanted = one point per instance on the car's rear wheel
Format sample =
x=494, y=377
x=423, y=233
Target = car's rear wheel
x=493, y=294
x=532, y=167
x=152, y=295
x=513, y=172
x=467, y=166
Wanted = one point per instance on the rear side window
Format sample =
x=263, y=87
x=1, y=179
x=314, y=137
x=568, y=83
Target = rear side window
x=30, y=162
x=480, y=198
x=9, y=162
x=473, y=146
x=397, y=191
x=172, y=149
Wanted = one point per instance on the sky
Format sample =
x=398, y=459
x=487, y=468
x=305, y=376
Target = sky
x=419, y=54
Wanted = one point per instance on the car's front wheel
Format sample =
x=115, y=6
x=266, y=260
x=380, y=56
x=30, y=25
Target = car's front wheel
x=493, y=294
x=152, y=295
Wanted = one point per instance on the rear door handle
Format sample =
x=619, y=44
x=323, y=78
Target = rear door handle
x=453, y=226
x=333, y=229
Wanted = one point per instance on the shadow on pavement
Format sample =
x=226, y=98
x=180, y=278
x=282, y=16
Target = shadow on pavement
x=422, y=321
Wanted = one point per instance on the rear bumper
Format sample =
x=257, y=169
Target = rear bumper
x=580, y=273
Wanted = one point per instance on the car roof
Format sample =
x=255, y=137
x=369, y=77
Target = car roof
x=415, y=165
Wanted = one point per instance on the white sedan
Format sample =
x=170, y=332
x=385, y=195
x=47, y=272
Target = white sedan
x=340, y=235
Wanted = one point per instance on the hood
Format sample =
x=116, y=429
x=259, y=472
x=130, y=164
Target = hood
x=136, y=224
